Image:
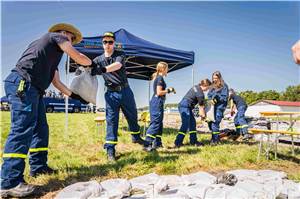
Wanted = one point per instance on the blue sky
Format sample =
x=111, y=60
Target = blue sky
x=249, y=42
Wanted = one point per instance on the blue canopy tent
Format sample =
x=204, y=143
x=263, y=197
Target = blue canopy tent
x=141, y=55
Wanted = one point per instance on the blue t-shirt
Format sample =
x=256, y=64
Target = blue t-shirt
x=159, y=81
x=195, y=96
x=39, y=61
x=116, y=78
x=238, y=101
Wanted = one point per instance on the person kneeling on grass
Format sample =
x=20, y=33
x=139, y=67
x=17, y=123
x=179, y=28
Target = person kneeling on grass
x=239, y=104
x=194, y=96
x=24, y=88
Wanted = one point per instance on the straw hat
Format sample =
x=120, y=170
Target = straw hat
x=67, y=27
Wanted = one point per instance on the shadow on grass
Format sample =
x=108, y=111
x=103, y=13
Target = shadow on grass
x=86, y=173
x=287, y=157
x=82, y=174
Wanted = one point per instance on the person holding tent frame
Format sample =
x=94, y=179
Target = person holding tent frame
x=154, y=132
x=25, y=86
x=193, y=97
x=111, y=65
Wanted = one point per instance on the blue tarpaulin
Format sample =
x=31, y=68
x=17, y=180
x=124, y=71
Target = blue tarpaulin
x=141, y=55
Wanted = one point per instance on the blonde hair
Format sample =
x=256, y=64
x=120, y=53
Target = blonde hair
x=205, y=82
x=221, y=83
x=160, y=67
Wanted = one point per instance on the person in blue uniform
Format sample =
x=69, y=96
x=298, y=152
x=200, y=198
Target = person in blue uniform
x=193, y=97
x=240, y=122
x=25, y=86
x=154, y=132
x=218, y=96
x=111, y=65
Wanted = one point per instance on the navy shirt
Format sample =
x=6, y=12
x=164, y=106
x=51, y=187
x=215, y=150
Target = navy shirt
x=116, y=78
x=40, y=60
x=159, y=81
x=238, y=101
x=195, y=96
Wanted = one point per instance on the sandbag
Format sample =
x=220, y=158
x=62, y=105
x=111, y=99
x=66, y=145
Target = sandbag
x=81, y=190
x=290, y=189
x=209, y=110
x=116, y=188
x=85, y=85
x=144, y=183
x=198, y=178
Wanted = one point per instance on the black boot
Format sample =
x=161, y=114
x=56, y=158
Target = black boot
x=148, y=146
x=111, y=155
x=138, y=140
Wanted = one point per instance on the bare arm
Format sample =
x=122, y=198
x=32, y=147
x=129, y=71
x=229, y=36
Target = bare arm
x=74, y=54
x=59, y=85
x=160, y=91
x=113, y=67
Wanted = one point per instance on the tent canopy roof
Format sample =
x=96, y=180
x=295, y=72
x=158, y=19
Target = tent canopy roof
x=141, y=55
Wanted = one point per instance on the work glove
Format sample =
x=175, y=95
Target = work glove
x=171, y=90
x=97, y=70
x=77, y=97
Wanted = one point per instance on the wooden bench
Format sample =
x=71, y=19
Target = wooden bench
x=268, y=145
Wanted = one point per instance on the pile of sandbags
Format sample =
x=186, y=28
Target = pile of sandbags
x=244, y=184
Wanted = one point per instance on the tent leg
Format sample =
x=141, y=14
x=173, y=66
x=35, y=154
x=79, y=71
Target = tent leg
x=193, y=77
x=67, y=98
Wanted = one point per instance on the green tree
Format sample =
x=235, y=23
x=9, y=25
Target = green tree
x=249, y=96
x=269, y=95
x=291, y=93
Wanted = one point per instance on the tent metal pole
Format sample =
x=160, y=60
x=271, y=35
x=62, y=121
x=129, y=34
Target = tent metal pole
x=193, y=77
x=67, y=98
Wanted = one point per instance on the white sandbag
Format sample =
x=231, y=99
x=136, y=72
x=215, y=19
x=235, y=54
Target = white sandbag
x=244, y=174
x=196, y=191
x=271, y=174
x=198, y=178
x=161, y=185
x=145, y=182
x=81, y=190
x=216, y=191
x=85, y=85
x=290, y=189
x=172, y=180
x=209, y=110
x=172, y=193
x=222, y=191
x=116, y=188
x=254, y=189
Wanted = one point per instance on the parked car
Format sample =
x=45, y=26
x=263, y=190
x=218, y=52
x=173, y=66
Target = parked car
x=58, y=105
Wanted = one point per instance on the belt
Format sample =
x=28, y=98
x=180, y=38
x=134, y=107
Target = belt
x=117, y=88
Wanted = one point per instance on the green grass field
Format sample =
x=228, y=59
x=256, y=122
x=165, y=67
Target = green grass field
x=79, y=156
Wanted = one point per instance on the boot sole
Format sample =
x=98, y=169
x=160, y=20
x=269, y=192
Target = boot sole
x=11, y=193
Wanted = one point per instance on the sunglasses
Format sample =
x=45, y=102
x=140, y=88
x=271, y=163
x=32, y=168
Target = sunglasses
x=110, y=42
